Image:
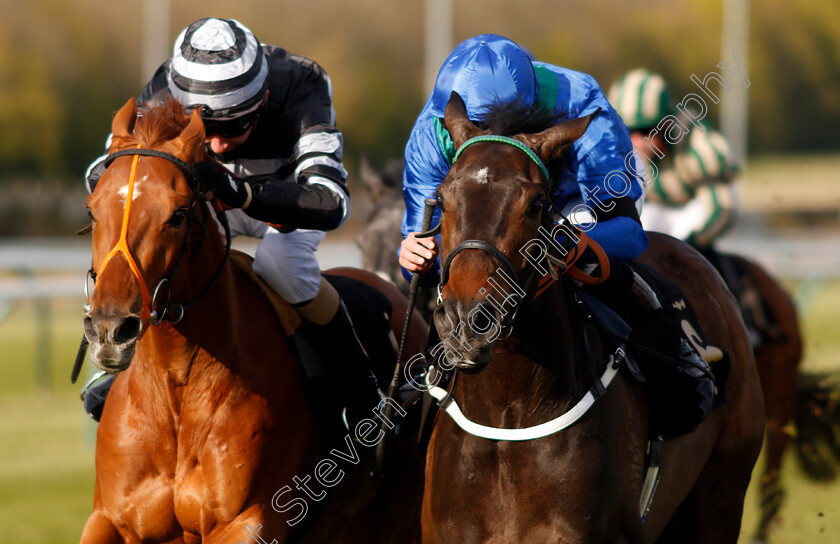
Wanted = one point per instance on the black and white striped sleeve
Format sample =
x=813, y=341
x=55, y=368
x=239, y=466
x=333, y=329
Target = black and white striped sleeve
x=317, y=157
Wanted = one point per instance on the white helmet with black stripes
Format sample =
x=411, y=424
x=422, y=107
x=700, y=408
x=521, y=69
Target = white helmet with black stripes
x=219, y=64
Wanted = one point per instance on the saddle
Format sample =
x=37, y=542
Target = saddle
x=371, y=313
x=287, y=314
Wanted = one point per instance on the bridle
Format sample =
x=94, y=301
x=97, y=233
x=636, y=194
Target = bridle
x=557, y=265
x=171, y=313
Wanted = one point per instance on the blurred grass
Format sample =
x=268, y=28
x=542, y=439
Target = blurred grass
x=46, y=440
x=783, y=183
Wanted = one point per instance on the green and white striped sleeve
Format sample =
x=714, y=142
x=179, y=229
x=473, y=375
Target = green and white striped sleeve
x=719, y=204
x=704, y=160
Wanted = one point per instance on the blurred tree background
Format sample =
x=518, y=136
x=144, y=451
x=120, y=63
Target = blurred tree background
x=67, y=65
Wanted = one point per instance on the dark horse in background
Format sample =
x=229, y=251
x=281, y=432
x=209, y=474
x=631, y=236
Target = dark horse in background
x=380, y=237
x=583, y=483
x=207, y=435
x=799, y=406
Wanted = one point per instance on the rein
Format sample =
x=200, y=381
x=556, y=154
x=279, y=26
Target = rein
x=170, y=313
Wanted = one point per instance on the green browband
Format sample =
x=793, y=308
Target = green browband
x=505, y=140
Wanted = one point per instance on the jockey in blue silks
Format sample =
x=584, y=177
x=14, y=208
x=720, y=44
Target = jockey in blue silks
x=489, y=69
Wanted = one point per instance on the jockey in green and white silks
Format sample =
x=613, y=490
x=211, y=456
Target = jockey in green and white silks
x=690, y=193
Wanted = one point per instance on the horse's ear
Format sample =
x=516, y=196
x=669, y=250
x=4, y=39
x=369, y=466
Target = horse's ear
x=549, y=143
x=190, y=141
x=456, y=121
x=123, y=123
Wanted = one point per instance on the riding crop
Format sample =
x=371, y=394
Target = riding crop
x=428, y=212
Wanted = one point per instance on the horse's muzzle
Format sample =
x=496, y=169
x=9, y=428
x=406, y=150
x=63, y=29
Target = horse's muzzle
x=112, y=339
x=467, y=331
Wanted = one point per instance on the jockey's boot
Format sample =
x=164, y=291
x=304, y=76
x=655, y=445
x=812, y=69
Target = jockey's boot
x=629, y=294
x=94, y=395
x=357, y=390
x=662, y=324
x=667, y=319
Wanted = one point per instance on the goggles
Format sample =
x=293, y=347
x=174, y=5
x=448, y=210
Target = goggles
x=230, y=128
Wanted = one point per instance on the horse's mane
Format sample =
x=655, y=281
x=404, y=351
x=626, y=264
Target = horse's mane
x=516, y=117
x=158, y=124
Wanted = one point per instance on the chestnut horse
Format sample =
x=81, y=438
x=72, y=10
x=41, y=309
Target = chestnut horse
x=206, y=436
x=581, y=484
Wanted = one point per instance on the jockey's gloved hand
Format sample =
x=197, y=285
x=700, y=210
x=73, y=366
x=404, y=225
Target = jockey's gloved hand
x=219, y=184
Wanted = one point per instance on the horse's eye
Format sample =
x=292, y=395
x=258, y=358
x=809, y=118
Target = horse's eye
x=90, y=214
x=439, y=199
x=178, y=217
x=536, y=207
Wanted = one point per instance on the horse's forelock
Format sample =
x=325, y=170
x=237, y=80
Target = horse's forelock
x=160, y=124
x=516, y=117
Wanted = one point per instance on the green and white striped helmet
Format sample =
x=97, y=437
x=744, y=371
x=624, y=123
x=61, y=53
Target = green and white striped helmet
x=641, y=98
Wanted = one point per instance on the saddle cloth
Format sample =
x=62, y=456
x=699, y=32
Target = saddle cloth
x=370, y=311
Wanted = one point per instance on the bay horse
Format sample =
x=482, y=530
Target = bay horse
x=795, y=401
x=581, y=484
x=206, y=435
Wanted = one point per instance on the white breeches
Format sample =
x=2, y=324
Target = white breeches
x=286, y=261
x=704, y=218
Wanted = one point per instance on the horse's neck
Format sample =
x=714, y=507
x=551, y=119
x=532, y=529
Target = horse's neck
x=533, y=376
x=208, y=326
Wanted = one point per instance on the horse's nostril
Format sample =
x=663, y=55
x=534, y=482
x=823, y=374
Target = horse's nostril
x=445, y=317
x=90, y=330
x=129, y=330
x=482, y=319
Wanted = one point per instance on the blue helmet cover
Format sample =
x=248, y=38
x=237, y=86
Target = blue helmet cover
x=484, y=70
